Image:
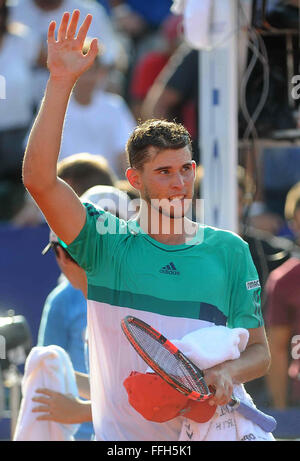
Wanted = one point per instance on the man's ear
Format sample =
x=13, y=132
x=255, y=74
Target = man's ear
x=61, y=256
x=194, y=166
x=134, y=177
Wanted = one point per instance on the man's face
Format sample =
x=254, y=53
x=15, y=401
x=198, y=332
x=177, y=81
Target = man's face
x=92, y=78
x=167, y=181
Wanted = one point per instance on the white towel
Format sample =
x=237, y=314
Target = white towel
x=208, y=347
x=46, y=367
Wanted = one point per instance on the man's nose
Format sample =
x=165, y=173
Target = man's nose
x=178, y=180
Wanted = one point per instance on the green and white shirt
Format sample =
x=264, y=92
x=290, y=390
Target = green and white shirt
x=175, y=288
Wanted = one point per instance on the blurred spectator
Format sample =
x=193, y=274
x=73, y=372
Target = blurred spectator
x=268, y=251
x=134, y=16
x=80, y=171
x=64, y=316
x=283, y=323
x=283, y=318
x=138, y=22
x=18, y=53
x=97, y=121
x=37, y=14
x=174, y=94
x=151, y=63
x=292, y=212
x=124, y=186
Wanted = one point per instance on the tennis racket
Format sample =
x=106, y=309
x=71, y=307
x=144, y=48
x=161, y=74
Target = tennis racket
x=176, y=369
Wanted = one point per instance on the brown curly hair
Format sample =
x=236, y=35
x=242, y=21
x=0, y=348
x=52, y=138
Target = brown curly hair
x=161, y=134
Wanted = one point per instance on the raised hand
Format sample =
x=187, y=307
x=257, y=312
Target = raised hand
x=66, y=60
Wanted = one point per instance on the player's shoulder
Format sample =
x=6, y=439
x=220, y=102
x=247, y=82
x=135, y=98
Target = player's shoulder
x=223, y=237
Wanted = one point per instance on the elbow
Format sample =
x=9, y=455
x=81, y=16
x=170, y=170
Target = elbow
x=31, y=183
x=36, y=182
x=28, y=178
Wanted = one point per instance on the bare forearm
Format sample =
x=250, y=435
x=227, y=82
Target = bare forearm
x=83, y=384
x=39, y=168
x=83, y=413
x=253, y=363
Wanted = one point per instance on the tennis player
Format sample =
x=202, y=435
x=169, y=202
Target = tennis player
x=172, y=273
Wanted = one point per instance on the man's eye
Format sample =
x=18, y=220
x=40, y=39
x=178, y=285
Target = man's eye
x=164, y=171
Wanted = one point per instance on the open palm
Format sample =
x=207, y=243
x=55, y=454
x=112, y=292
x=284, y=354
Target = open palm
x=65, y=57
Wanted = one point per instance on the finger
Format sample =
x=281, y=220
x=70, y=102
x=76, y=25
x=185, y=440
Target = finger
x=71, y=31
x=51, y=32
x=62, y=30
x=45, y=400
x=45, y=391
x=41, y=408
x=92, y=53
x=223, y=395
x=82, y=33
x=45, y=417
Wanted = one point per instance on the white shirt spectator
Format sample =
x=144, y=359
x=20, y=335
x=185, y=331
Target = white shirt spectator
x=18, y=52
x=102, y=127
x=27, y=12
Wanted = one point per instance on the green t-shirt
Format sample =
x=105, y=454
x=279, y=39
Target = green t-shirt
x=212, y=278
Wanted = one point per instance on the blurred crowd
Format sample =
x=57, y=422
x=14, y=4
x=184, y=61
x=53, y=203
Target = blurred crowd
x=145, y=69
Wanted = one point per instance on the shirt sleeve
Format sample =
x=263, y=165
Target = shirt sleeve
x=245, y=299
x=97, y=240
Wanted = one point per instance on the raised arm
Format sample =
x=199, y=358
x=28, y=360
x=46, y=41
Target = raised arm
x=66, y=62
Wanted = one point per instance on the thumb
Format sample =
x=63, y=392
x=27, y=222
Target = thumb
x=92, y=53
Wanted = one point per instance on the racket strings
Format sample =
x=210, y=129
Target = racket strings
x=173, y=365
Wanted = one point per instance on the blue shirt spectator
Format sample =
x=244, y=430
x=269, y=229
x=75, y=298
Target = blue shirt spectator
x=64, y=320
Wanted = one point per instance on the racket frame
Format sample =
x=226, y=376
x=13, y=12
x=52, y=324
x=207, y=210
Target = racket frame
x=195, y=371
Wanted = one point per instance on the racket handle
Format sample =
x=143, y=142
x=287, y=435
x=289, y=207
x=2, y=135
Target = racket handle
x=266, y=422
